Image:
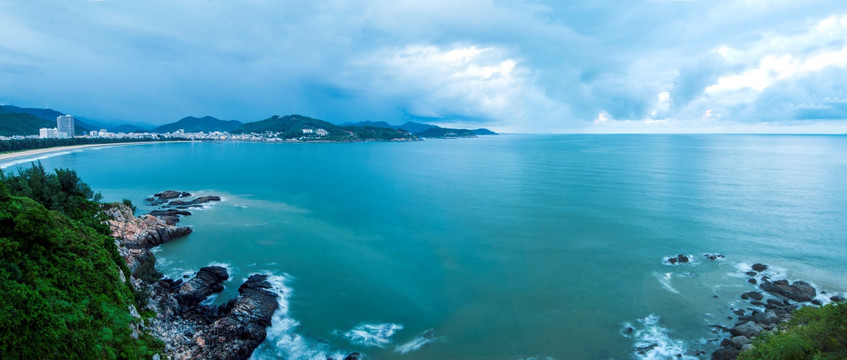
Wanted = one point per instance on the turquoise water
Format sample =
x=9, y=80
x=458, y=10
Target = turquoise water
x=507, y=247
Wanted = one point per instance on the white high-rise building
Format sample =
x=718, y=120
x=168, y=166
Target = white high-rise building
x=65, y=125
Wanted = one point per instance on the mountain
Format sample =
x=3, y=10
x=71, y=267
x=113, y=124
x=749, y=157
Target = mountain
x=440, y=132
x=80, y=126
x=381, y=124
x=483, y=131
x=415, y=128
x=22, y=124
x=193, y=124
x=289, y=125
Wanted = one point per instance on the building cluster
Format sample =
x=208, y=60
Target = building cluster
x=64, y=129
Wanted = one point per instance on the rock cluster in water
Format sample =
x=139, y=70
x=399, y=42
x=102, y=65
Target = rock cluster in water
x=782, y=299
x=190, y=329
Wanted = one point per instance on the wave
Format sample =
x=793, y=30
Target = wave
x=652, y=341
x=282, y=337
x=416, y=343
x=33, y=159
x=665, y=280
x=377, y=335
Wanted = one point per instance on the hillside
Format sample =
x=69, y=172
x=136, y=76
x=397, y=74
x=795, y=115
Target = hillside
x=416, y=128
x=22, y=124
x=62, y=293
x=81, y=127
x=439, y=132
x=290, y=125
x=194, y=124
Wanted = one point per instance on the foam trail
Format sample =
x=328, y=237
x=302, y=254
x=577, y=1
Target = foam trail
x=377, y=335
x=665, y=280
x=416, y=343
x=652, y=341
x=33, y=159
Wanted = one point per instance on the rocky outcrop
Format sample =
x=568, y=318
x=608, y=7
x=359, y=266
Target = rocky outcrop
x=236, y=334
x=197, y=201
x=207, y=282
x=140, y=232
x=681, y=259
x=798, y=291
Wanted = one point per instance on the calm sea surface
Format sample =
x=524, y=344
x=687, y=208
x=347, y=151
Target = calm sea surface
x=506, y=247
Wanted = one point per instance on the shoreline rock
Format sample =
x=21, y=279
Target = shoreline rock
x=189, y=329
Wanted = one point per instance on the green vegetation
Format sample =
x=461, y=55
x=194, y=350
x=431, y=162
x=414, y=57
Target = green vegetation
x=29, y=144
x=193, y=124
x=812, y=333
x=62, y=295
x=22, y=124
x=291, y=127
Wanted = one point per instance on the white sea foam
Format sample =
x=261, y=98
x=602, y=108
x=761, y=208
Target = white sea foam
x=416, y=343
x=652, y=341
x=377, y=335
x=287, y=344
x=665, y=280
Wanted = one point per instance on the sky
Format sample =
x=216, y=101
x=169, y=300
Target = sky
x=654, y=66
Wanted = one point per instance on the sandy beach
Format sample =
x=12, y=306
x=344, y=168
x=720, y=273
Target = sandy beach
x=34, y=152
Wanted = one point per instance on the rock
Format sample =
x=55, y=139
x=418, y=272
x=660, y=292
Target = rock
x=748, y=329
x=673, y=260
x=353, y=356
x=145, y=231
x=755, y=295
x=768, y=317
x=156, y=357
x=751, y=273
x=725, y=354
x=739, y=341
x=682, y=258
x=170, y=212
x=817, y=302
x=752, y=281
x=207, y=282
x=726, y=342
x=644, y=349
x=197, y=201
x=739, y=312
x=746, y=347
x=798, y=291
x=713, y=256
x=168, y=194
x=758, y=303
x=837, y=298
x=759, y=267
x=141, y=263
x=242, y=329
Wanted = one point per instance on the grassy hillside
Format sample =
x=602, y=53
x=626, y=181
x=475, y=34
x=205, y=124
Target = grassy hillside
x=289, y=124
x=61, y=293
x=812, y=333
x=49, y=115
x=22, y=124
x=193, y=124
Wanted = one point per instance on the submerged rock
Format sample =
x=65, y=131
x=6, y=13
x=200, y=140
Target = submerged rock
x=799, y=291
x=759, y=267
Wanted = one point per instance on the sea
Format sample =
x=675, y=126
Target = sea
x=497, y=247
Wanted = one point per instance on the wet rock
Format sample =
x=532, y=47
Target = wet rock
x=242, y=329
x=197, y=201
x=683, y=259
x=739, y=312
x=837, y=298
x=817, y=302
x=746, y=347
x=751, y=273
x=725, y=354
x=748, y=329
x=759, y=267
x=713, y=256
x=798, y=291
x=353, y=356
x=752, y=281
x=673, y=260
x=755, y=295
x=644, y=349
x=170, y=212
x=207, y=281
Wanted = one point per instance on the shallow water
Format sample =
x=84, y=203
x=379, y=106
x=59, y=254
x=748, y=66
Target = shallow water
x=506, y=247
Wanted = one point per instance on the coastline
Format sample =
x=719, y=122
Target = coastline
x=33, y=152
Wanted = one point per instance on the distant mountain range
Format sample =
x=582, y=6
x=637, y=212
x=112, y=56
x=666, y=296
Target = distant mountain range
x=26, y=121
x=204, y=124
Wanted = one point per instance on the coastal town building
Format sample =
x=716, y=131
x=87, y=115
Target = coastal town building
x=65, y=126
x=48, y=133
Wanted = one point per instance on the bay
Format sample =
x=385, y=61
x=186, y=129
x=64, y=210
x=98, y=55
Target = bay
x=506, y=247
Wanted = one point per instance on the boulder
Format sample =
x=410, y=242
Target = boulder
x=767, y=317
x=739, y=341
x=197, y=201
x=207, y=282
x=798, y=291
x=168, y=194
x=144, y=231
x=755, y=295
x=748, y=329
x=837, y=298
x=725, y=354
x=759, y=267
